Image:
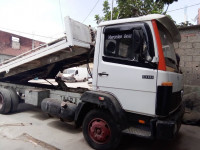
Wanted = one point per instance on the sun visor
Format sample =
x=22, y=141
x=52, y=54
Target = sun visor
x=171, y=27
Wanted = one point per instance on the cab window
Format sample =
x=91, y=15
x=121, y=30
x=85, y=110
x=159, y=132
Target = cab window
x=168, y=49
x=120, y=45
x=128, y=44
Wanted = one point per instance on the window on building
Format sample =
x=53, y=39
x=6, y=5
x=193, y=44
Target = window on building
x=15, y=42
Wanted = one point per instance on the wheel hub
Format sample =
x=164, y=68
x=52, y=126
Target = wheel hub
x=99, y=130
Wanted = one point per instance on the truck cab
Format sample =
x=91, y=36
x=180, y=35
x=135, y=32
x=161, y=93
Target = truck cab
x=133, y=59
x=136, y=79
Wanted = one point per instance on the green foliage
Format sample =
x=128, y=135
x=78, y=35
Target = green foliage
x=167, y=1
x=132, y=8
x=135, y=8
x=106, y=10
x=107, y=13
x=184, y=24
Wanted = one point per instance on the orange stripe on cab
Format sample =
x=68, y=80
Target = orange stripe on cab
x=161, y=64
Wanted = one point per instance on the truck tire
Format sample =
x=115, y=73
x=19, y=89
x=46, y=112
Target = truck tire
x=5, y=101
x=100, y=130
x=14, y=100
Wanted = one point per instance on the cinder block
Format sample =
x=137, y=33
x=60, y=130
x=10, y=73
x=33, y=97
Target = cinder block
x=187, y=70
x=187, y=79
x=185, y=45
x=196, y=51
x=195, y=64
x=188, y=64
x=191, y=79
x=184, y=39
x=188, y=51
x=195, y=38
x=196, y=70
x=196, y=58
x=179, y=51
x=195, y=80
x=196, y=45
x=186, y=58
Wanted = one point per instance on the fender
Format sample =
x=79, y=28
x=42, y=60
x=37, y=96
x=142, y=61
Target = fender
x=91, y=100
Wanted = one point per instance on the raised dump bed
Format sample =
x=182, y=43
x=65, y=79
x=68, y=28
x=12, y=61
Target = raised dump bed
x=47, y=60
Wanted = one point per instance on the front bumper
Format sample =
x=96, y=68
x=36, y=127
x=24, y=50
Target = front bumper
x=167, y=128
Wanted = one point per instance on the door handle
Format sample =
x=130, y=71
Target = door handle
x=103, y=74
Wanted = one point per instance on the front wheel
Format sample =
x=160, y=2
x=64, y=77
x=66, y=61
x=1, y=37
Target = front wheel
x=100, y=130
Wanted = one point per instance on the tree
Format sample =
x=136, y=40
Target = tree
x=107, y=13
x=132, y=8
x=167, y=1
x=135, y=8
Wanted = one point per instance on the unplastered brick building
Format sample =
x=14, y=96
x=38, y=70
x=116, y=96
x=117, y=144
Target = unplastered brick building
x=189, y=51
x=12, y=45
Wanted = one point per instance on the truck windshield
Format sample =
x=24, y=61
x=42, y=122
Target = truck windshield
x=168, y=49
x=70, y=71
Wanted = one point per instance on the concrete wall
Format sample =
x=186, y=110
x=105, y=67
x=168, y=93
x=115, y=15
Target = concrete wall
x=189, y=51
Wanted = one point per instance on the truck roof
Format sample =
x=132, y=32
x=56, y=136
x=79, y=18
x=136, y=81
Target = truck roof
x=164, y=20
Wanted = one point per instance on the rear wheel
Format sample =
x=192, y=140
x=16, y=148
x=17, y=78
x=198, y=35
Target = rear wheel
x=5, y=101
x=14, y=100
x=100, y=130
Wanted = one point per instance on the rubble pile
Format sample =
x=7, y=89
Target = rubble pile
x=191, y=101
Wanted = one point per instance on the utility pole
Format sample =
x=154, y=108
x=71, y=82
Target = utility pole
x=111, y=9
x=185, y=14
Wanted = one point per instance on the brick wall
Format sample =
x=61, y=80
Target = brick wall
x=189, y=51
x=6, y=44
x=6, y=40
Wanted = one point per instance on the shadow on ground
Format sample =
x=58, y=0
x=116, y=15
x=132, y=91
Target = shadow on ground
x=64, y=127
x=187, y=139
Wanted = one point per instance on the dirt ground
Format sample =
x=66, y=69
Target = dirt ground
x=31, y=129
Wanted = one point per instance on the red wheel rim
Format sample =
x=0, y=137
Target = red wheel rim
x=1, y=101
x=99, y=131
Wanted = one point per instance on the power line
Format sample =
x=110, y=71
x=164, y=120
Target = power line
x=91, y=11
x=184, y=7
x=61, y=14
x=25, y=32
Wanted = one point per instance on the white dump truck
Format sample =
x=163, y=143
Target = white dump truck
x=137, y=85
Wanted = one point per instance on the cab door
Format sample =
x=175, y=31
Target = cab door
x=125, y=69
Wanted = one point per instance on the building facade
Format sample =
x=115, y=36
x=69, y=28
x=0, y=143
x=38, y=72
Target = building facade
x=12, y=45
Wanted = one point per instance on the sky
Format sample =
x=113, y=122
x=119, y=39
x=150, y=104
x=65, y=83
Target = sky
x=44, y=19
